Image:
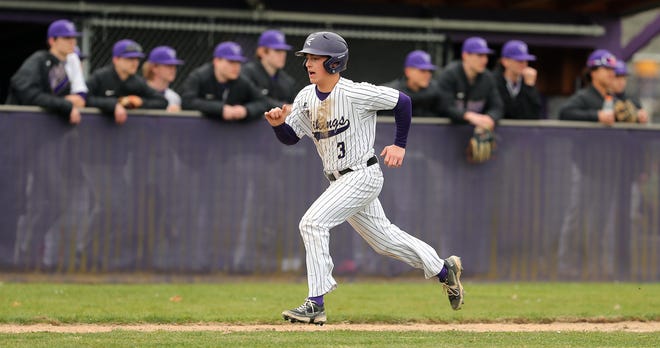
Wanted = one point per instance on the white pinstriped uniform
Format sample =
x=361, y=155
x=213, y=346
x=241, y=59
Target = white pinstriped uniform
x=343, y=127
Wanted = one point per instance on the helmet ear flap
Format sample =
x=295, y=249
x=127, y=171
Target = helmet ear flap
x=336, y=64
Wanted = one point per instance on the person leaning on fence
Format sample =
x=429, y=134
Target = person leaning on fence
x=160, y=71
x=217, y=89
x=516, y=82
x=42, y=80
x=117, y=87
x=619, y=90
x=267, y=71
x=469, y=95
x=589, y=103
x=419, y=85
x=468, y=90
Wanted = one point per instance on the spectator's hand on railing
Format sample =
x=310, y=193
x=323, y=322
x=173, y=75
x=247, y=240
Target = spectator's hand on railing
x=173, y=108
x=131, y=102
x=120, y=114
x=606, y=117
x=642, y=116
x=234, y=112
x=74, y=116
x=76, y=100
x=480, y=120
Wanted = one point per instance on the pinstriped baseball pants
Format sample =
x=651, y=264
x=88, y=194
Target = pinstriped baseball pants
x=354, y=198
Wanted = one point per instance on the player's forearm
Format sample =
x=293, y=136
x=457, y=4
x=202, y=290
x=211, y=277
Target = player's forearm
x=402, y=119
x=285, y=134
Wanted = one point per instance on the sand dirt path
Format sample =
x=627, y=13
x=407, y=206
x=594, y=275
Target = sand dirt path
x=287, y=327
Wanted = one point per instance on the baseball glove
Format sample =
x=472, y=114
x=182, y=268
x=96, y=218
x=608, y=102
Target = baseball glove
x=481, y=146
x=625, y=111
x=131, y=101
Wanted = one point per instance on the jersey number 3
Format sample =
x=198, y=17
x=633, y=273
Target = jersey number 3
x=342, y=149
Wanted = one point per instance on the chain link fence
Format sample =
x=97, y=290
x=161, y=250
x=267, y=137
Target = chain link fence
x=377, y=54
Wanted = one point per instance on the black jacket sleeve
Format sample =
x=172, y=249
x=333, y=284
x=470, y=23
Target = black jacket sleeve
x=193, y=96
x=30, y=86
x=256, y=103
x=451, y=88
x=96, y=95
x=495, y=107
x=580, y=107
x=151, y=99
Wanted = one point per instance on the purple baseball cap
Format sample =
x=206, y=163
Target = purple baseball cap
x=602, y=58
x=165, y=55
x=229, y=50
x=127, y=49
x=620, y=68
x=476, y=45
x=62, y=28
x=517, y=50
x=420, y=60
x=273, y=39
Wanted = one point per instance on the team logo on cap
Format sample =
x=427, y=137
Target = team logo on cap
x=309, y=42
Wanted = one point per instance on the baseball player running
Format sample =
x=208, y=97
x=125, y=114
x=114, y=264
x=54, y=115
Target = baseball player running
x=339, y=115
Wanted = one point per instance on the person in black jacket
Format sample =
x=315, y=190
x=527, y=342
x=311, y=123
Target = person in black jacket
x=266, y=72
x=419, y=85
x=42, y=79
x=516, y=82
x=116, y=87
x=588, y=104
x=468, y=90
x=218, y=90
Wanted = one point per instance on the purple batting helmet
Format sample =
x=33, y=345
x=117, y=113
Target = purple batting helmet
x=325, y=43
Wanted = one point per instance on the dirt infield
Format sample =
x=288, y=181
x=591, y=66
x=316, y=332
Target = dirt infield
x=228, y=328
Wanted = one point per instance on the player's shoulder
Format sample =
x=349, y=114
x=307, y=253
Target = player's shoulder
x=350, y=85
x=307, y=89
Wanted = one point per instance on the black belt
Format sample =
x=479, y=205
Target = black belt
x=331, y=176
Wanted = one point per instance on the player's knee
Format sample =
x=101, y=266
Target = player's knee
x=309, y=225
x=306, y=224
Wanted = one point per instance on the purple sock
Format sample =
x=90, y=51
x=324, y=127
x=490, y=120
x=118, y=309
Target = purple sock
x=442, y=276
x=317, y=299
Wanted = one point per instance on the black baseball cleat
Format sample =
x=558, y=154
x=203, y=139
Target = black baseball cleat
x=308, y=312
x=452, y=285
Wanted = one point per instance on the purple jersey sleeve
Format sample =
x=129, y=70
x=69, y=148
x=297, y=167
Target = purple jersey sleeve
x=285, y=134
x=402, y=118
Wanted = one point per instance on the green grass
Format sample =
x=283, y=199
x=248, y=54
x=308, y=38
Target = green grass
x=361, y=302
x=250, y=302
x=331, y=339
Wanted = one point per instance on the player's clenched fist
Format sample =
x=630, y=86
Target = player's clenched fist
x=393, y=156
x=276, y=116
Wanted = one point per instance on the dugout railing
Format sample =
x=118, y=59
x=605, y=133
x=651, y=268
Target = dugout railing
x=185, y=194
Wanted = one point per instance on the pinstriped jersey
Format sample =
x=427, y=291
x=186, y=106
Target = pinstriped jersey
x=343, y=126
